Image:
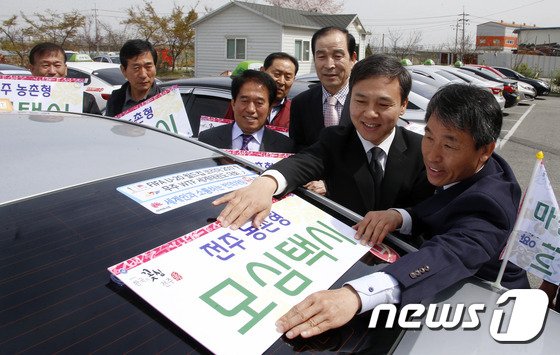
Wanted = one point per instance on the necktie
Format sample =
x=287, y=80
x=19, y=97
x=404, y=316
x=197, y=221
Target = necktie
x=246, y=139
x=331, y=115
x=376, y=172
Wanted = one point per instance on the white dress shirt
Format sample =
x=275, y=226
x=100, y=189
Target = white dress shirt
x=237, y=138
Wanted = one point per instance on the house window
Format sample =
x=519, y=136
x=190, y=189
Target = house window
x=301, y=51
x=235, y=48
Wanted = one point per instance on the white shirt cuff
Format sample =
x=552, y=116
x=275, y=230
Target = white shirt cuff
x=375, y=289
x=280, y=180
x=406, y=227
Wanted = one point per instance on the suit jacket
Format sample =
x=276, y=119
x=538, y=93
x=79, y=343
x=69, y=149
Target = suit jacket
x=339, y=158
x=466, y=227
x=220, y=137
x=306, y=116
x=90, y=105
x=118, y=96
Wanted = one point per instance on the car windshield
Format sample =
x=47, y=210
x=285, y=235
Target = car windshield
x=423, y=89
x=113, y=76
x=450, y=76
x=116, y=60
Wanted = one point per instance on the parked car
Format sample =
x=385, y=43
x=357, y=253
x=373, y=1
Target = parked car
x=64, y=222
x=510, y=86
x=8, y=69
x=453, y=75
x=101, y=79
x=105, y=58
x=542, y=87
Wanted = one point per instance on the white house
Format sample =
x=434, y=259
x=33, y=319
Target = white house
x=241, y=31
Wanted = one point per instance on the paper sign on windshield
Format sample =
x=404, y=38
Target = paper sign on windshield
x=262, y=159
x=227, y=288
x=169, y=192
x=165, y=111
x=33, y=93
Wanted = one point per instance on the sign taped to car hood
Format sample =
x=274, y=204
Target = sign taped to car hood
x=166, y=193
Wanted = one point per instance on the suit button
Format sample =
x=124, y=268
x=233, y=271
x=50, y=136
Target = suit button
x=412, y=275
x=417, y=273
x=422, y=270
x=370, y=289
x=427, y=268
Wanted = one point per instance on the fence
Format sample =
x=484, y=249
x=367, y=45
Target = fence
x=544, y=65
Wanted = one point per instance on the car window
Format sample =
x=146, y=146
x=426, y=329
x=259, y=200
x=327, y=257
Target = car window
x=73, y=73
x=449, y=76
x=113, y=76
x=115, y=60
x=203, y=105
x=423, y=89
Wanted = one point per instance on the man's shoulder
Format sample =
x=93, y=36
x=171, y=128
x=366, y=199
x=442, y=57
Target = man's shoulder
x=215, y=130
x=302, y=97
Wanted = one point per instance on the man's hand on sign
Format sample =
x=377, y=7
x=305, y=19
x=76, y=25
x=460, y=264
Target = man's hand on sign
x=320, y=312
x=251, y=202
x=376, y=225
x=317, y=186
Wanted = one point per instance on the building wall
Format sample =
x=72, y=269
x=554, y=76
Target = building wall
x=542, y=36
x=291, y=34
x=492, y=36
x=262, y=38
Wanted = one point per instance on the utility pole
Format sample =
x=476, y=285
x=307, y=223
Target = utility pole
x=96, y=28
x=463, y=21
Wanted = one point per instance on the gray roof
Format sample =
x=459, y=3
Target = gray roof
x=289, y=17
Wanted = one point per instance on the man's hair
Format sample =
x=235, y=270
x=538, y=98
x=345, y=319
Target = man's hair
x=256, y=76
x=280, y=55
x=381, y=65
x=467, y=108
x=350, y=40
x=43, y=48
x=133, y=48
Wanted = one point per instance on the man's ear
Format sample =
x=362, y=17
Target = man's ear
x=262, y=68
x=488, y=149
x=123, y=71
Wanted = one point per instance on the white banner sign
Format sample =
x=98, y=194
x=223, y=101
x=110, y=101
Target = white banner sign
x=207, y=122
x=227, y=288
x=165, y=111
x=33, y=93
x=169, y=192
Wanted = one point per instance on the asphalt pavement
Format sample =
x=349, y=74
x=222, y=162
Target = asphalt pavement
x=528, y=128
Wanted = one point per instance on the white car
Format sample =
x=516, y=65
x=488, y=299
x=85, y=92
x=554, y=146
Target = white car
x=101, y=79
x=8, y=69
x=453, y=74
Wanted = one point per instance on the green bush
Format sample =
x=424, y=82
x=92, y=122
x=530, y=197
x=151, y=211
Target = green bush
x=524, y=69
x=555, y=79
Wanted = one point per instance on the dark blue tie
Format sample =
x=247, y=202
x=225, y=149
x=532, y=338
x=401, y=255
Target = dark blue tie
x=246, y=139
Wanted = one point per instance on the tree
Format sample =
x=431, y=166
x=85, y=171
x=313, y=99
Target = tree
x=322, y=6
x=54, y=26
x=13, y=39
x=146, y=21
x=173, y=32
x=179, y=33
x=402, y=47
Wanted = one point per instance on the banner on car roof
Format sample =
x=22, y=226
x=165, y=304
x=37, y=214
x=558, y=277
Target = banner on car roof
x=227, y=288
x=165, y=111
x=261, y=159
x=34, y=93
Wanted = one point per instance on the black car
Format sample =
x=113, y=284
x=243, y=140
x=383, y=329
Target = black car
x=510, y=86
x=542, y=87
x=210, y=96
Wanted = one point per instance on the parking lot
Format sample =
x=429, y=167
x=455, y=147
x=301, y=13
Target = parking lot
x=528, y=128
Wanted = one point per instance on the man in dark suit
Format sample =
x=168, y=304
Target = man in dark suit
x=138, y=65
x=343, y=156
x=49, y=60
x=466, y=224
x=252, y=94
x=334, y=56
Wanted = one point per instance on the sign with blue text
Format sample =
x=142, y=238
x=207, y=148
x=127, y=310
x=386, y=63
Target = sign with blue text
x=165, y=111
x=33, y=93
